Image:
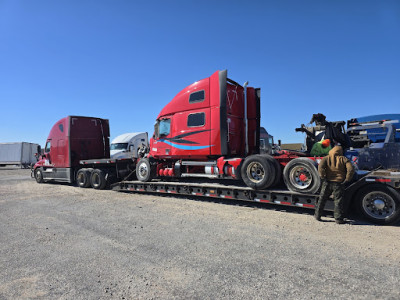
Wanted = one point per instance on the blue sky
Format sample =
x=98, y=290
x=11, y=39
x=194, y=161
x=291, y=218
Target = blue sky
x=125, y=60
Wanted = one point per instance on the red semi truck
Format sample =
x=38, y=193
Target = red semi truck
x=210, y=129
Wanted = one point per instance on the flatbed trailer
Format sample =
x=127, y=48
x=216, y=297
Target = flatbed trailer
x=216, y=190
x=375, y=195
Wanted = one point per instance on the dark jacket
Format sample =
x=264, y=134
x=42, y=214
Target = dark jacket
x=336, y=167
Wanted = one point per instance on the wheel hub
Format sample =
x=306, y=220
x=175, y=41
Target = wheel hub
x=300, y=177
x=379, y=204
x=303, y=177
x=143, y=170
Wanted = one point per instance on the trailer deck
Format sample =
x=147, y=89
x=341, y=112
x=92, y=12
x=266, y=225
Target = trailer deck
x=224, y=191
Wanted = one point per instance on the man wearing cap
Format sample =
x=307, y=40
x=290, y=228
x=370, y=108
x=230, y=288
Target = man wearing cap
x=321, y=148
x=335, y=171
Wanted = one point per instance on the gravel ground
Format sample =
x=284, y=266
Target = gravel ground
x=62, y=242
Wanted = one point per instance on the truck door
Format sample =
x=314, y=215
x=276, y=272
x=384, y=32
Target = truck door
x=191, y=132
x=47, y=153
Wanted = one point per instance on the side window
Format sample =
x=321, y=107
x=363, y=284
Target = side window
x=196, y=120
x=262, y=143
x=198, y=96
x=377, y=135
x=164, y=127
x=61, y=127
x=48, y=146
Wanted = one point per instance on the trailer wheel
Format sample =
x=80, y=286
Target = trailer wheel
x=257, y=172
x=83, y=178
x=301, y=175
x=379, y=204
x=38, y=175
x=143, y=170
x=98, y=180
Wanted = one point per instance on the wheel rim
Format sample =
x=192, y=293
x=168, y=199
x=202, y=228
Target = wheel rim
x=143, y=170
x=255, y=172
x=38, y=175
x=378, y=205
x=96, y=179
x=300, y=177
x=80, y=178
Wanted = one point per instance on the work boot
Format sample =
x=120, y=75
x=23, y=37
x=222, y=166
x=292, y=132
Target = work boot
x=340, y=221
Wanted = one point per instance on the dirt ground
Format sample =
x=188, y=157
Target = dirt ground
x=58, y=241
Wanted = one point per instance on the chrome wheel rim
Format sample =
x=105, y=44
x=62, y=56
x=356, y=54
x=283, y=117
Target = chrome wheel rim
x=300, y=177
x=143, y=170
x=378, y=205
x=96, y=179
x=255, y=172
x=80, y=178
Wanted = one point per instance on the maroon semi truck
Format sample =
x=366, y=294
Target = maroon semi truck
x=78, y=149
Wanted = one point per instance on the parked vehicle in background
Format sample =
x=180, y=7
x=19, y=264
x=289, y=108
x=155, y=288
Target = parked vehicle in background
x=78, y=150
x=22, y=154
x=128, y=145
x=267, y=144
x=375, y=141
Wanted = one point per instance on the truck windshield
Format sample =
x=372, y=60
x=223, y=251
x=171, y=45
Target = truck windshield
x=119, y=146
x=271, y=140
x=164, y=127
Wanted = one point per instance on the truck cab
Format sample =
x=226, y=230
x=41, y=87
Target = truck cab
x=207, y=120
x=267, y=144
x=127, y=145
x=206, y=130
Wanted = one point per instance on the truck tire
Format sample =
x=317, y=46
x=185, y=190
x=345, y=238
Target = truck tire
x=38, y=175
x=258, y=172
x=98, y=180
x=143, y=170
x=301, y=175
x=379, y=204
x=278, y=171
x=83, y=178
